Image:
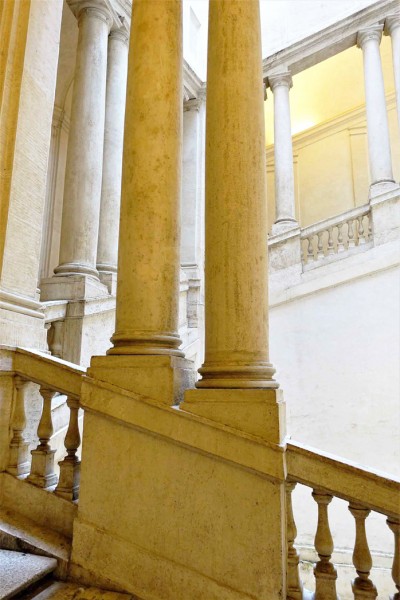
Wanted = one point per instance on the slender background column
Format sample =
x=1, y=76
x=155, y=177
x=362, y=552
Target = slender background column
x=392, y=28
x=82, y=191
x=380, y=160
x=148, y=261
x=283, y=151
x=236, y=266
x=117, y=67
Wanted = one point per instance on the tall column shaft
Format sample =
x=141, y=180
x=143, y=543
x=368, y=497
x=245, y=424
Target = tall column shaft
x=82, y=191
x=236, y=264
x=283, y=150
x=392, y=28
x=380, y=159
x=117, y=67
x=148, y=261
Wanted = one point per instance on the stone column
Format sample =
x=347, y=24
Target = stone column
x=236, y=267
x=117, y=66
x=280, y=85
x=392, y=28
x=82, y=191
x=148, y=262
x=380, y=160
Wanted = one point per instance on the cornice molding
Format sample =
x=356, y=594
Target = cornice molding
x=327, y=42
x=192, y=84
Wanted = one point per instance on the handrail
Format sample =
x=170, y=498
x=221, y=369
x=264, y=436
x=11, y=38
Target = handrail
x=342, y=478
x=323, y=225
x=46, y=370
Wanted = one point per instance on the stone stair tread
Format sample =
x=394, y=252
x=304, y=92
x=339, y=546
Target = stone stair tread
x=19, y=570
x=73, y=591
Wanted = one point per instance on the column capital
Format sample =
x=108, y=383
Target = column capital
x=121, y=32
x=391, y=23
x=101, y=9
x=369, y=33
x=280, y=79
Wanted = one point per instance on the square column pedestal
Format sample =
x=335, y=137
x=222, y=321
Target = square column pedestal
x=185, y=502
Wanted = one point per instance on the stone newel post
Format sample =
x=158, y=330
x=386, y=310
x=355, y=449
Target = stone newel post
x=117, y=66
x=380, y=160
x=82, y=191
x=284, y=176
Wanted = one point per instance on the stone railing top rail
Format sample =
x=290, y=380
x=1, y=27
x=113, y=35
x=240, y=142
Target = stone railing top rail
x=327, y=42
x=344, y=479
x=55, y=310
x=43, y=369
x=353, y=213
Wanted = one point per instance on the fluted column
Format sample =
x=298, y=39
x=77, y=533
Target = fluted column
x=82, y=191
x=392, y=28
x=148, y=261
x=236, y=265
x=380, y=160
x=285, y=218
x=117, y=66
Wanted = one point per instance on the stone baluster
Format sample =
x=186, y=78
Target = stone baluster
x=117, y=69
x=392, y=28
x=363, y=588
x=324, y=571
x=350, y=234
x=310, y=248
x=18, y=462
x=283, y=150
x=320, y=245
x=56, y=338
x=394, y=525
x=361, y=231
x=68, y=482
x=331, y=248
x=369, y=228
x=83, y=174
x=380, y=159
x=340, y=244
x=42, y=468
x=294, y=584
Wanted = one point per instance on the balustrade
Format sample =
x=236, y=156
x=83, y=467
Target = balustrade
x=364, y=491
x=53, y=377
x=336, y=235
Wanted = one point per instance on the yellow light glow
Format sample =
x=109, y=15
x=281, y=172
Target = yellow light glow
x=299, y=126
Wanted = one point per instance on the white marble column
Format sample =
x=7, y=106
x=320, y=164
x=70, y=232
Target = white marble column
x=380, y=160
x=392, y=28
x=82, y=191
x=236, y=265
x=148, y=260
x=280, y=85
x=117, y=68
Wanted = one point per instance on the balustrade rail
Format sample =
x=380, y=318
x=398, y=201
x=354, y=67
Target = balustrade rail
x=53, y=377
x=329, y=477
x=336, y=235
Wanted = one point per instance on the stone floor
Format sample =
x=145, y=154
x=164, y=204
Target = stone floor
x=19, y=570
x=71, y=591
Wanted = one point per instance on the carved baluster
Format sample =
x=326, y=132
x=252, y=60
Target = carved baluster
x=363, y=588
x=42, y=469
x=340, y=244
x=310, y=248
x=320, y=246
x=394, y=526
x=361, y=231
x=331, y=248
x=350, y=234
x=369, y=228
x=56, y=338
x=324, y=571
x=68, y=483
x=294, y=584
x=18, y=462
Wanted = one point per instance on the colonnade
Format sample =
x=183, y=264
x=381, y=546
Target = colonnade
x=94, y=156
x=380, y=161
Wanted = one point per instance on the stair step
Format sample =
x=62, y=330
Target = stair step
x=19, y=571
x=73, y=591
x=18, y=533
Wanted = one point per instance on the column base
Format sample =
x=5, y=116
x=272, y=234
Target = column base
x=237, y=376
x=162, y=378
x=258, y=412
x=381, y=187
x=283, y=225
x=72, y=287
x=146, y=342
x=109, y=279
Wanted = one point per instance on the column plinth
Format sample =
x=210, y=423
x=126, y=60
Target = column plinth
x=392, y=28
x=380, y=160
x=280, y=85
x=82, y=190
x=148, y=261
x=236, y=264
x=117, y=65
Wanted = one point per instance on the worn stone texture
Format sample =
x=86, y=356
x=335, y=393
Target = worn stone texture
x=19, y=570
x=72, y=591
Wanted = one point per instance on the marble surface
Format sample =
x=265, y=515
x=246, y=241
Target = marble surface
x=19, y=570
